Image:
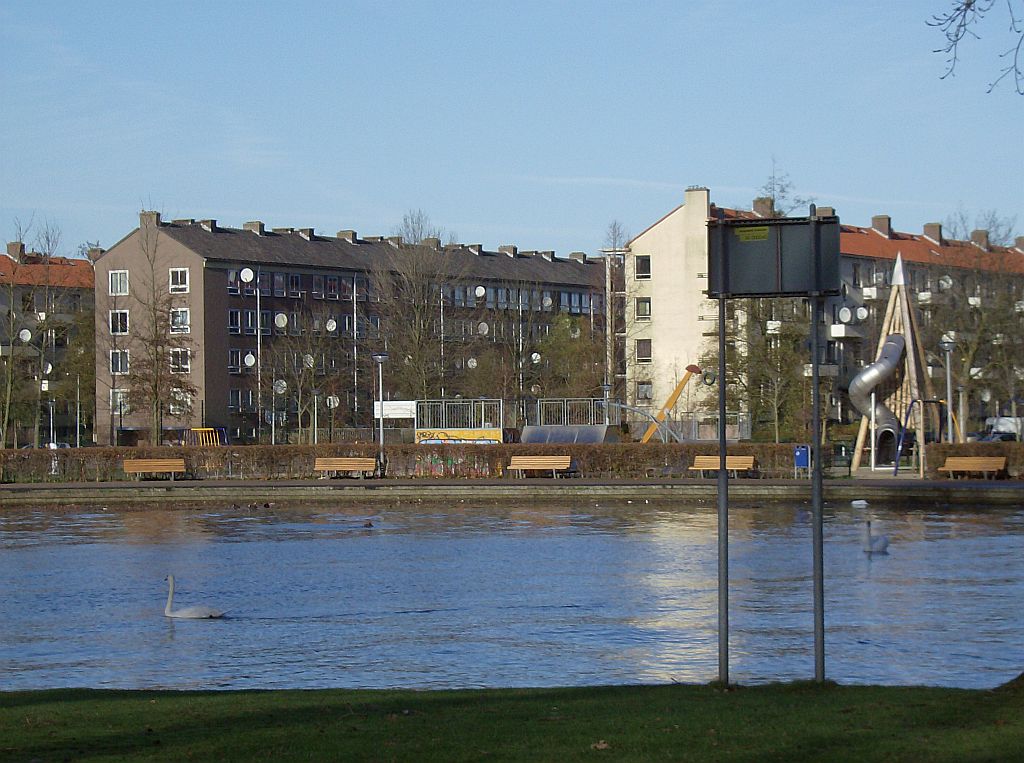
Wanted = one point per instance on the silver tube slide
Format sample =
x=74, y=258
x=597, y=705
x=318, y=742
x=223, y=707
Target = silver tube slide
x=873, y=375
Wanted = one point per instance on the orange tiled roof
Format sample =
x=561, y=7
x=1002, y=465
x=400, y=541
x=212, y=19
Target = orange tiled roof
x=60, y=272
x=855, y=241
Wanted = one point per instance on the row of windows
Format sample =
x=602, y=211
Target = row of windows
x=180, y=321
x=177, y=282
x=244, y=321
x=180, y=361
x=177, y=405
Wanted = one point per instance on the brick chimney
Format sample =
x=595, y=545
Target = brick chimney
x=882, y=224
x=508, y=249
x=395, y=241
x=348, y=235
x=763, y=207
x=431, y=243
x=149, y=219
x=826, y=211
x=548, y=255
x=933, y=231
x=475, y=248
x=209, y=225
x=254, y=226
x=1019, y=244
x=306, y=233
x=579, y=257
x=16, y=250
x=980, y=239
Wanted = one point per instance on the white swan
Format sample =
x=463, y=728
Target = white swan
x=192, y=613
x=875, y=544
x=859, y=503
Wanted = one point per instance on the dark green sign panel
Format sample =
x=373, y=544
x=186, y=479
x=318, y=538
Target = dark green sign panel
x=777, y=257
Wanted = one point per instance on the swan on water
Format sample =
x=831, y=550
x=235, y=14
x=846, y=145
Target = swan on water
x=198, y=612
x=859, y=503
x=875, y=544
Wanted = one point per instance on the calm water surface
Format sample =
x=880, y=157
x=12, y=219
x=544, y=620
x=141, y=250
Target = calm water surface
x=469, y=596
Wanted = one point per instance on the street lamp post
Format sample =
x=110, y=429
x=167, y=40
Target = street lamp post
x=605, y=389
x=379, y=358
x=947, y=346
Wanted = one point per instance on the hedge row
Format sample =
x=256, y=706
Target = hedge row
x=612, y=461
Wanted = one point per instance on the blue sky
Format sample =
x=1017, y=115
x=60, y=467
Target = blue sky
x=533, y=123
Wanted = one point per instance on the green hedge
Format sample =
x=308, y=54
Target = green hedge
x=622, y=461
x=613, y=461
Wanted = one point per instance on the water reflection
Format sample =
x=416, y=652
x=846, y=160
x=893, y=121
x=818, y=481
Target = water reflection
x=464, y=595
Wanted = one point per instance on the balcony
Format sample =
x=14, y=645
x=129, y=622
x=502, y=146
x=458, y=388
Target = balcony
x=825, y=370
x=845, y=331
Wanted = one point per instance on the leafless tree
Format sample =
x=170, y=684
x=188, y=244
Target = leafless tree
x=779, y=188
x=416, y=227
x=963, y=19
x=158, y=374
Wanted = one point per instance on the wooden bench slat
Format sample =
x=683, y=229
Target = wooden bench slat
x=154, y=466
x=984, y=465
x=345, y=464
x=553, y=464
x=732, y=463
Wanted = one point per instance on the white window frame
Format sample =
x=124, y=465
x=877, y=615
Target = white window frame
x=179, y=402
x=234, y=360
x=236, y=327
x=649, y=388
x=120, y=289
x=182, y=328
x=127, y=322
x=177, y=288
x=636, y=308
x=122, y=367
x=637, y=275
x=180, y=360
x=650, y=354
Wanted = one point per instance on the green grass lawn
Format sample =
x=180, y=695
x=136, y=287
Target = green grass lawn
x=784, y=722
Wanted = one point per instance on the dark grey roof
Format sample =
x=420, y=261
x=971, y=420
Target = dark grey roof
x=232, y=245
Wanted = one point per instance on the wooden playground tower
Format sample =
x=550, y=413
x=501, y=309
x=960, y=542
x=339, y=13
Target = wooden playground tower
x=910, y=385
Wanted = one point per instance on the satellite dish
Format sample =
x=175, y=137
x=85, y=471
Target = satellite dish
x=250, y=359
x=331, y=324
x=547, y=300
x=247, y=275
x=332, y=401
x=535, y=389
x=535, y=357
x=47, y=368
x=483, y=328
x=945, y=282
x=575, y=332
x=862, y=313
x=845, y=314
x=24, y=335
x=280, y=386
x=280, y=320
x=709, y=378
x=471, y=363
x=479, y=291
x=307, y=360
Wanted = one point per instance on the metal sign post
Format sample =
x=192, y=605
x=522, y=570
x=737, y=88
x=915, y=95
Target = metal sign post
x=783, y=257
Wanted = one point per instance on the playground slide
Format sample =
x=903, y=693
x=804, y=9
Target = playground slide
x=887, y=425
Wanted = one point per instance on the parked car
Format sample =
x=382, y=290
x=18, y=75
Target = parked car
x=998, y=437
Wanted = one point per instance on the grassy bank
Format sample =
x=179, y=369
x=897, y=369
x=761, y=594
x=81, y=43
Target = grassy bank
x=790, y=722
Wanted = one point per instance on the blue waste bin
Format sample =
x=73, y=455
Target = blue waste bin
x=801, y=458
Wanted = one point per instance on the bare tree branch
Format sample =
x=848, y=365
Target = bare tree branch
x=960, y=22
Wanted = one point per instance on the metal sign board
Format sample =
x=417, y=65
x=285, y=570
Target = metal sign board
x=773, y=257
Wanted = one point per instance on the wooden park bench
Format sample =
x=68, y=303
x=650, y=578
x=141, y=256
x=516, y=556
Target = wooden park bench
x=139, y=466
x=734, y=464
x=555, y=464
x=988, y=467
x=361, y=466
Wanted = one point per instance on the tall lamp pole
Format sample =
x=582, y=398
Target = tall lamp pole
x=947, y=346
x=379, y=358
